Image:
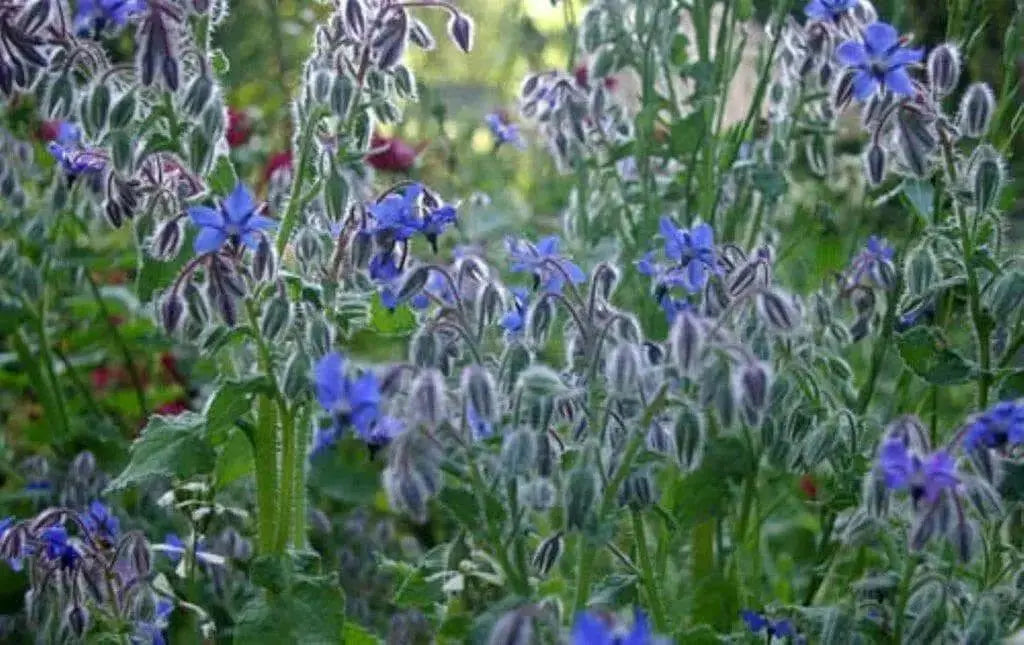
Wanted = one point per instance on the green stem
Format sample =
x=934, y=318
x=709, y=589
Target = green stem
x=649, y=581
x=265, y=451
x=286, y=509
x=302, y=434
x=60, y=405
x=291, y=213
x=981, y=326
x=122, y=347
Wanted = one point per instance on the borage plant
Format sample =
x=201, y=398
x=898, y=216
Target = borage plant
x=668, y=443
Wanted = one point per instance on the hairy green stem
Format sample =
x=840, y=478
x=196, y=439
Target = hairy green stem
x=126, y=355
x=650, y=583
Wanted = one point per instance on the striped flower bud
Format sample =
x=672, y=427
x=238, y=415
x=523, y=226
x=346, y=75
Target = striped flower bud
x=778, y=311
x=943, y=69
x=264, y=264
x=427, y=398
x=976, y=109
x=541, y=494
x=690, y=438
x=460, y=29
x=752, y=381
x=874, y=164
x=686, y=343
x=548, y=552
x=425, y=349
x=171, y=310
x=166, y=243
x=539, y=318
x=580, y=497
x=518, y=452
x=987, y=177
x=622, y=368
x=276, y=316
x=514, y=628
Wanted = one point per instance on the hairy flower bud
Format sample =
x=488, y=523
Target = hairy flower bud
x=264, y=264
x=580, y=497
x=622, y=368
x=874, y=164
x=976, y=109
x=751, y=384
x=548, y=552
x=198, y=95
x=171, y=310
x=539, y=319
x=686, y=343
x=514, y=628
x=425, y=349
x=479, y=389
x=166, y=243
x=427, y=398
x=460, y=30
x=987, y=177
x=518, y=452
x=77, y=619
x=276, y=316
x=778, y=311
x=943, y=69
x=690, y=438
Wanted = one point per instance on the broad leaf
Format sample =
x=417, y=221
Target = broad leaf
x=928, y=355
x=168, y=447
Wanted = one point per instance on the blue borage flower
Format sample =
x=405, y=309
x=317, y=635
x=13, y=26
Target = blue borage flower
x=504, y=132
x=880, y=62
x=237, y=220
x=59, y=547
x=15, y=562
x=924, y=477
x=995, y=428
x=758, y=623
x=875, y=262
x=831, y=10
x=549, y=268
x=592, y=629
x=101, y=522
x=151, y=631
x=514, y=319
x=96, y=16
x=353, y=402
x=175, y=548
x=75, y=161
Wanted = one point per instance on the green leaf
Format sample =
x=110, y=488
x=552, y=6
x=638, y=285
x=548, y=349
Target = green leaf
x=312, y=610
x=705, y=493
x=154, y=275
x=356, y=634
x=232, y=400
x=168, y=447
x=928, y=355
x=222, y=178
x=921, y=195
x=401, y=321
x=235, y=459
x=345, y=472
x=220, y=61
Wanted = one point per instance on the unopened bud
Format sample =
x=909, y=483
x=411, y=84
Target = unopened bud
x=548, y=552
x=874, y=164
x=943, y=69
x=427, y=397
x=622, y=368
x=518, y=452
x=976, y=110
x=275, y=317
x=580, y=497
x=264, y=264
x=752, y=381
x=514, y=628
x=778, y=311
x=171, y=310
x=167, y=241
x=988, y=176
x=686, y=343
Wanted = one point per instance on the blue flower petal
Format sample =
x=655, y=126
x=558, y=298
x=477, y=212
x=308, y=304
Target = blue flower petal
x=206, y=216
x=239, y=205
x=329, y=380
x=209, y=239
x=898, y=81
x=852, y=53
x=880, y=37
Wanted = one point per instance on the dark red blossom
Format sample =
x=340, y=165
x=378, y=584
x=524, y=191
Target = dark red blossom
x=391, y=154
x=809, y=486
x=277, y=161
x=239, y=128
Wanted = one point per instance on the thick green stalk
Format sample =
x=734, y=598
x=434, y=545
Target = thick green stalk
x=302, y=434
x=286, y=509
x=265, y=453
x=650, y=583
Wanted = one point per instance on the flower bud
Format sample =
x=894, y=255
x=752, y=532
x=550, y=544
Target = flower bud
x=264, y=264
x=690, y=438
x=621, y=369
x=686, y=343
x=427, y=398
x=514, y=628
x=660, y=439
x=198, y=95
x=460, y=29
x=987, y=177
x=171, y=310
x=874, y=164
x=638, y=490
x=479, y=389
x=308, y=250
x=275, y=317
x=604, y=279
x=77, y=620
x=778, y=311
x=354, y=18
x=490, y=303
x=167, y=241
x=123, y=111
x=541, y=494
x=518, y=452
x=362, y=250
x=539, y=319
x=318, y=333
x=548, y=552
x=976, y=109
x=580, y=497
x=752, y=382
x=943, y=69
x=425, y=350
x=296, y=375
x=514, y=361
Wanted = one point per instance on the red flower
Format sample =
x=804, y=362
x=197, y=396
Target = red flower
x=809, y=486
x=393, y=154
x=48, y=130
x=101, y=377
x=239, y=128
x=277, y=161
